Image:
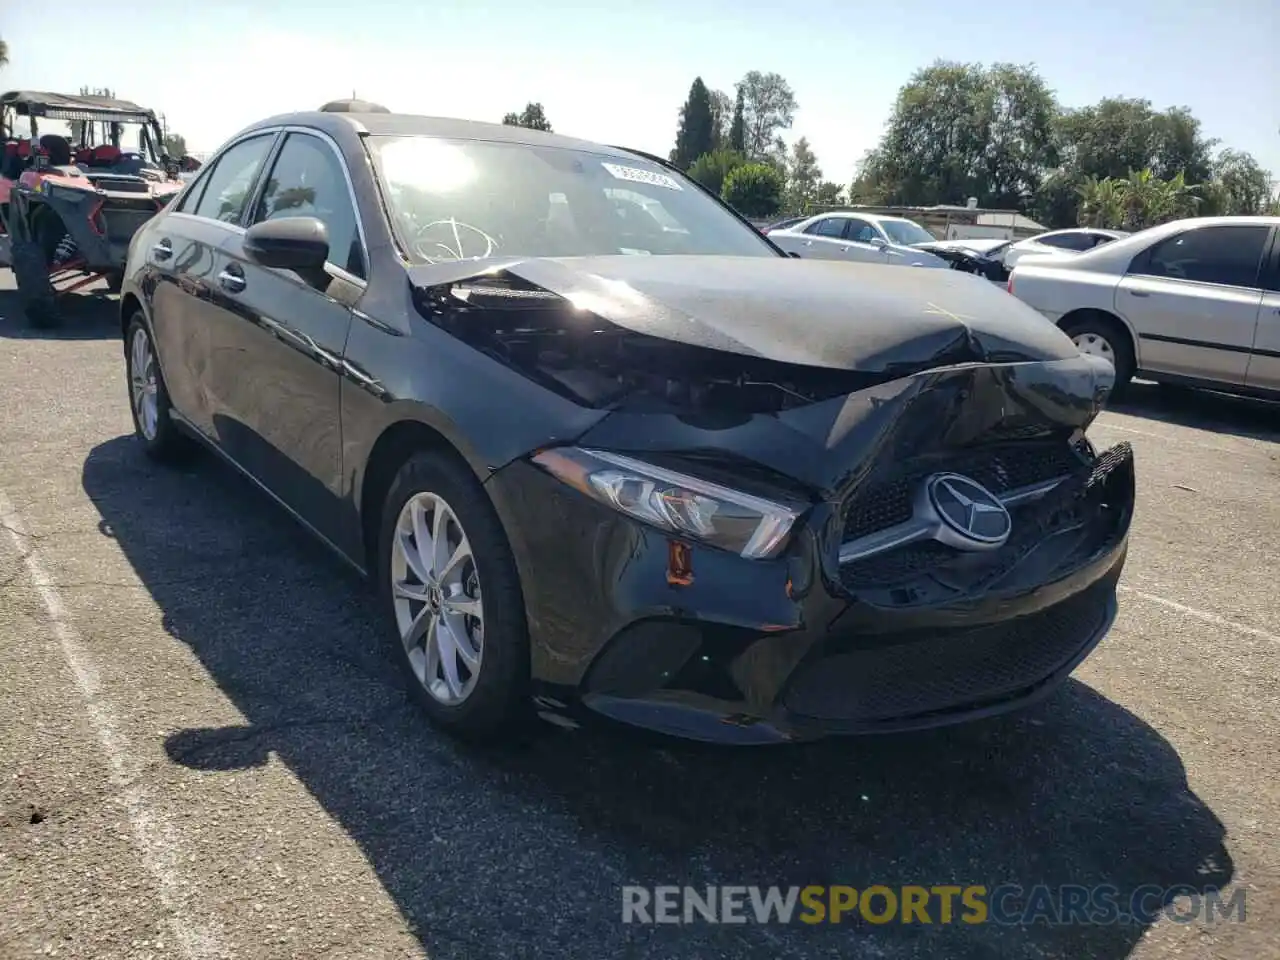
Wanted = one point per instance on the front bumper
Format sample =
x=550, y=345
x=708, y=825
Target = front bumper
x=799, y=648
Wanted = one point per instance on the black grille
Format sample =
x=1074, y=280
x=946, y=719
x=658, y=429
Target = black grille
x=1083, y=492
x=882, y=504
x=947, y=670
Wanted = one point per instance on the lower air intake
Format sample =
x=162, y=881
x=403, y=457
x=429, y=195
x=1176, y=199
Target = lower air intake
x=947, y=670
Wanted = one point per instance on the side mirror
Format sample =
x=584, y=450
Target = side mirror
x=289, y=243
x=878, y=242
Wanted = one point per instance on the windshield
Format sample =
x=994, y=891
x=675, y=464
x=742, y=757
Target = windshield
x=906, y=232
x=459, y=200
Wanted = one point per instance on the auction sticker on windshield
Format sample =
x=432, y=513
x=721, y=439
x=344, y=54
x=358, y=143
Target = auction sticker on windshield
x=639, y=175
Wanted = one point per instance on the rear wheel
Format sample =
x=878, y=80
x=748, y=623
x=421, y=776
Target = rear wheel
x=451, y=594
x=1100, y=336
x=148, y=397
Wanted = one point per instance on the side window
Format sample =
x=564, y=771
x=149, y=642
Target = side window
x=862, y=232
x=1227, y=255
x=226, y=187
x=307, y=180
x=827, y=227
x=1068, y=241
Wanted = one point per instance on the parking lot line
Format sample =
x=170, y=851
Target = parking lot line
x=1248, y=444
x=1203, y=615
x=157, y=847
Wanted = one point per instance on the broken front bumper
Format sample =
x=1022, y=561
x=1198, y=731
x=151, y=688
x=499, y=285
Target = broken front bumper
x=755, y=651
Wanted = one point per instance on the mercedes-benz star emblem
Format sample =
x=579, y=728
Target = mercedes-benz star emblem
x=969, y=509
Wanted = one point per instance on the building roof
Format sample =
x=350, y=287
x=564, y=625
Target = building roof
x=1010, y=219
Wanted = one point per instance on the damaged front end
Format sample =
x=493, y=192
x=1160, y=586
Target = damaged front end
x=555, y=341
x=745, y=547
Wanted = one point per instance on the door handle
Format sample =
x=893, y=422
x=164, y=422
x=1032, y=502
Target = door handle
x=162, y=250
x=1139, y=293
x=232, y=282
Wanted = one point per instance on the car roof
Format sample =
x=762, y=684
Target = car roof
x=1115, y=256
x=380, y=124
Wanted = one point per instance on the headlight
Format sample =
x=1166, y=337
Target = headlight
x=739, y=522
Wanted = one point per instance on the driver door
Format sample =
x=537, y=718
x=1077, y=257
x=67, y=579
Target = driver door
x=863, y=245
x=280, y=420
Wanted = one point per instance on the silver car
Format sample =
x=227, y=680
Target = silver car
x=1195, y=302
x=862, y=237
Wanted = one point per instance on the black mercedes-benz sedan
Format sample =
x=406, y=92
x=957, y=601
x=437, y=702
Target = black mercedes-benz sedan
x=604, y=450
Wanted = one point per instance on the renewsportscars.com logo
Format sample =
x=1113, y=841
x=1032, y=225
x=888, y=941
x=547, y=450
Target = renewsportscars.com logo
x=1007, y=904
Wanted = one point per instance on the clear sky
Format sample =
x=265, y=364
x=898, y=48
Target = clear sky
x=618, y=72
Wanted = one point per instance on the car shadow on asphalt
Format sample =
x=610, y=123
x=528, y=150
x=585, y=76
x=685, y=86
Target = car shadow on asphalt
x=522, y=852
x=92, y=315
x=1202, y=410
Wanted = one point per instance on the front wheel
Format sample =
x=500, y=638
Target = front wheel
x=35, y=289
x=451, y=594
x=148, y=397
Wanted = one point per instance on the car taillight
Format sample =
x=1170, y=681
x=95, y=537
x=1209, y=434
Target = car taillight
x=1009, y=287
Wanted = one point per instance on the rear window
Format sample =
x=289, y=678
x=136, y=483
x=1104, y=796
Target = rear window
x=468, y=199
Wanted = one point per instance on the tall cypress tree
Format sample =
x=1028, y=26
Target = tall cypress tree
x=738, y=129
x=696, y=134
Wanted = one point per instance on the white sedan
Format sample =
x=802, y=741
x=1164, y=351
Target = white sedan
x=1072, y=241
x=864, y=237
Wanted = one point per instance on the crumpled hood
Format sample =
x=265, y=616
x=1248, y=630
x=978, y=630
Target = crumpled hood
x=834, y=315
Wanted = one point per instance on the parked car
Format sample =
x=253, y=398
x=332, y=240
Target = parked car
x=983, y=256
x=598, y=467
x=1195, y=302
x=1068, y=242
x=865, y=238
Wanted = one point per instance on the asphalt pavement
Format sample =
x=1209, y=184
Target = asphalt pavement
x=205, y=750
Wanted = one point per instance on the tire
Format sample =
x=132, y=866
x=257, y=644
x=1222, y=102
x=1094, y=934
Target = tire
x=1100, y=334
x=35, y=290
x=494, y=704
x=161, y=437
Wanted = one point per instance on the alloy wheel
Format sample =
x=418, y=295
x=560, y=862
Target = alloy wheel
x=142, y=382
x=436, y=592
x=1095, y=345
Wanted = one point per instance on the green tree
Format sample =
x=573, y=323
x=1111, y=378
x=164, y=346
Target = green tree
x=1137, y=201
x=721, y=117
x=1117, y=135
x=696, y=133
x=738, y=126
x=769, y=105
x=803, y=176
x=868, y=185
x=959, y=130
x=712, y=168
x=175, y=145
x=532, y=116
x=1240, y=187
x=754, y=190
x=4, y=53
x=828, y=194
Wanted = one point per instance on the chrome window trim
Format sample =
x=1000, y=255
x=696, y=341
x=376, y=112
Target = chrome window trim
x=273, y=154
